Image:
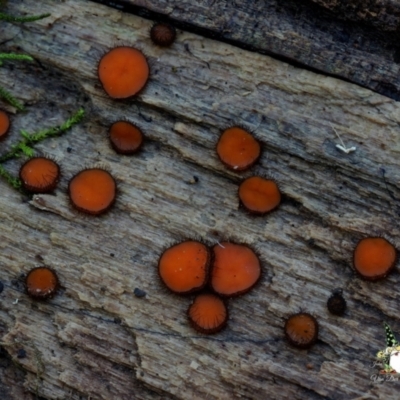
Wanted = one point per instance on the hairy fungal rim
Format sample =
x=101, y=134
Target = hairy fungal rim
x=207, y=267
x=88, y=211
x=297, y=342
x=162, y=34
x=113, y=140
x=35, y=293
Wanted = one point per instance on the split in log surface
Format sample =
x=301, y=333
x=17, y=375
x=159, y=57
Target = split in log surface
x=95, y=338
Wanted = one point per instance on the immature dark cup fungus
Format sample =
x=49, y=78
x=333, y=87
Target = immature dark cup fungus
x=184, y=267
x=92, y=191
x=4, y=124
x=258, y=195
x=162, y=34
x=238, y=149
x=123, y=72
x=41, y=283
x=208, y=313
x=235, y=269
x=336, y=303
x=301, y=330
x=39, y=175
x=374, y=258
x=125, y=138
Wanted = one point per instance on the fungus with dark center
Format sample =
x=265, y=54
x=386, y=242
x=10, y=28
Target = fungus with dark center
x=125, y=138
x=184, y=267
x=92, y=191
x=259, y=195
x=374, y=258
x=162, y=34
x=123, y=72
x=41, y=283
x=39, y=175
x=336, y=303
x=4, y=124
x=208, y=313
x=301, y=330
x=235, y=269
x=238, y=149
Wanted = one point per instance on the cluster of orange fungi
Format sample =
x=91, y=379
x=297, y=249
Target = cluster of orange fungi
x=226, y=270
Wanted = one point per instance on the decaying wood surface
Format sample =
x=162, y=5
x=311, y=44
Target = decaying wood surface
x=95, y=339
x=356, y=40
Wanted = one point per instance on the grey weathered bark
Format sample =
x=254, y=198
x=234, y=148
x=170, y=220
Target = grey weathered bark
x=95, y=339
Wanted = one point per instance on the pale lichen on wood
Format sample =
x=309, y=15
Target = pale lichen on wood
x=95, y=338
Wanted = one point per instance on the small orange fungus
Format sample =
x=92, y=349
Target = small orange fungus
x=208, y=313
x=184, y=267
x=92, y=191
x=259, y=195
x=41, y=283
x=235, y=270
x=374, y=258
x=39, y=175
x=301, y=330
x=238, y=149
x=125, y=138
x=123, y=72
x=162, y=34
x=4, y=124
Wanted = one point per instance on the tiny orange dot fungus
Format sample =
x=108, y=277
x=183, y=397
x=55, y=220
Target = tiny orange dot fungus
x=259, y=195
x=4, y=124
x=125, y=138
x=162, y=34
x=39, y=175
x=92, y=191
x=123, y=72
x=301, y=330
x=374, y=258
x=235, y=269
x=238, y=149
x=41, y=283
x=184, y=267
x=208, y=313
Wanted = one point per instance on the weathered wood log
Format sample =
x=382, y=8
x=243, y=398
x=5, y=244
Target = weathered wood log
x=343, y=39
x=95, y=339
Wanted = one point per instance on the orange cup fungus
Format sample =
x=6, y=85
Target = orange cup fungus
x=123, y=72
x=184, y=267
x=162, y=34
x=238, y=149
x=92, y=191
x=125, y=138
x=208, y=313
x=39, y=175
x=41, y=283
x=374, y=258
x=4, y=124
x=259, y=195
x=235, y=269
x=301, y=330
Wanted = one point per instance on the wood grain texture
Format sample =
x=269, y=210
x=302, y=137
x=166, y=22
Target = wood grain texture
x=95, y=339
x=340, y=39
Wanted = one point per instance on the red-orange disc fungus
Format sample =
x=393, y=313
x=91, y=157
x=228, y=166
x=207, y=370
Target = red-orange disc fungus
x=4, y=124
x=238, y=149
x=259, y=195
x=301, y=330
x=184, y=267
x=235, y=269
x=208, y=313
x=41, y=283
x=92, y=191
x=39, y=175
x=374, y=258
x=162, y=34
x=123, y=72
x=125, y=138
